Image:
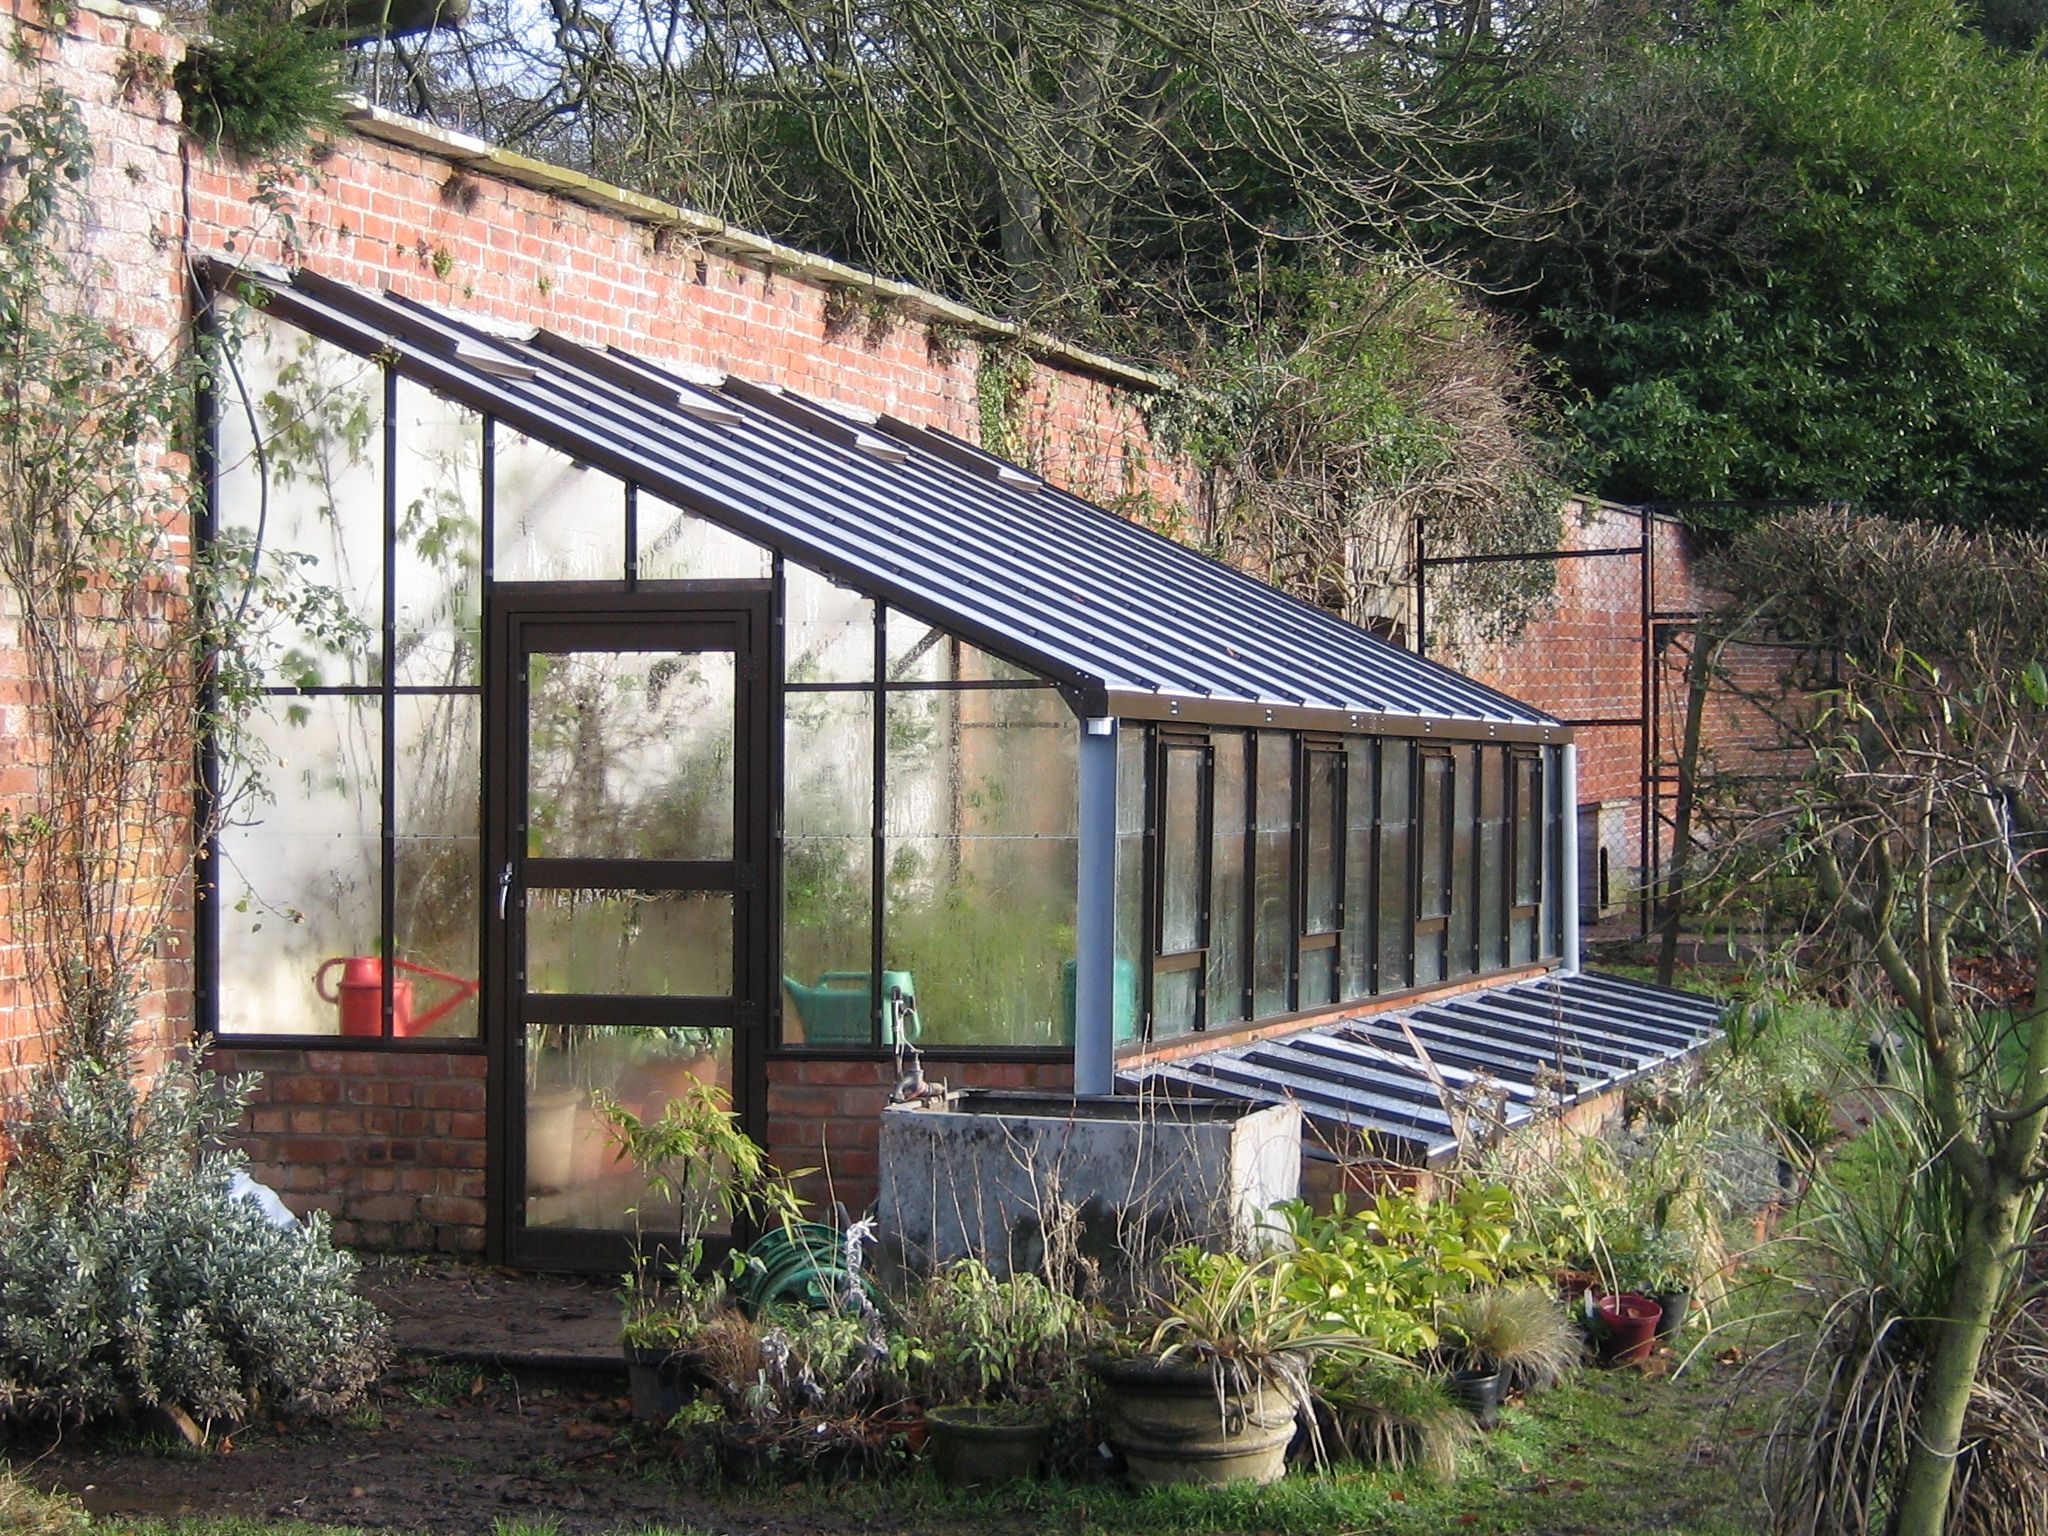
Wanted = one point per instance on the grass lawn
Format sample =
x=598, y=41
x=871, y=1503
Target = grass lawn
x=1609, y=1453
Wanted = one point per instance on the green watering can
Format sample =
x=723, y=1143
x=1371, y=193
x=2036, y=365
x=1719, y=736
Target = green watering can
x=835, y=1011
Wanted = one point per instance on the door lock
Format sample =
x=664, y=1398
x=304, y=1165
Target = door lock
x=504, y=890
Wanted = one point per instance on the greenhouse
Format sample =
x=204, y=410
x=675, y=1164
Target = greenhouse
x=663, y=727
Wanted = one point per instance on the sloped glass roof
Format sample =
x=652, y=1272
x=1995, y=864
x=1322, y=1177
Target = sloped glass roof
x=1125, y=620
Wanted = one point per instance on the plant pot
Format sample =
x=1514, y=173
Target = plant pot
x=1630, y=1322
x=1165, y=1422
x=662, y=1382
x=1675, y=1304
x=551, y=1115
x=1480, y=1391
x=973, y=1446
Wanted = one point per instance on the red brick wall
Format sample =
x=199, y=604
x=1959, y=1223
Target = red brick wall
x=118, y=246
x=389, y=1144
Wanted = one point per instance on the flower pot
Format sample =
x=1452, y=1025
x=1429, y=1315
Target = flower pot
x=974, y=1446
x=1675, y=1304
x=1480, y=1391
x=662, y=1382
x=1165, y=1422
x=1630, y=1321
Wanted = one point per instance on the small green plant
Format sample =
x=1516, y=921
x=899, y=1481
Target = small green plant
x=1399, y=1418
x=971, y=1337
x=1520, y=1330
x=1804, y=1119
x=261, y=83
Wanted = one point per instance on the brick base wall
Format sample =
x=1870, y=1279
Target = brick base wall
x=389, y=1144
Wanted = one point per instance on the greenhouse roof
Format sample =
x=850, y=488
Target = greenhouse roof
x=1506, y=1052
x=1125, y=620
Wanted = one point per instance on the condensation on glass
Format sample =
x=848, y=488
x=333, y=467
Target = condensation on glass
x=1273, y=939
x=574, y=1177
x=630, y=754
x=629, y=942
x=556, y=518
x=1227, y=870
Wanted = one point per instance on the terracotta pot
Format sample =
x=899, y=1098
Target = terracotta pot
x=1630, y=1320
x=1164, y=1421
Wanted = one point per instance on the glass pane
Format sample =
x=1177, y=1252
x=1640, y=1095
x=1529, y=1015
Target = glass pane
x=676, y=545
x=1464, y=813
x=1318, y=977
x=1181, y=851
x=1361, y=900
x=918, y=653
x=1273, y=874
x=630, y=754
x=1323, y=890
x=827, y=867
x=300, y=882
x=1225, y=1000
x=1396, y=914
x=1493, y=837
x=436, y=857
x=574, y=1174
x=1173, y=1003
x=1132, y=749
x=554, y=519
x=319, y=412
x=636, y=943
x=828, y=631
x=982, y=823
x=1553, y=850
x=1528, y=829
x=1434, y=851
x=439, y=557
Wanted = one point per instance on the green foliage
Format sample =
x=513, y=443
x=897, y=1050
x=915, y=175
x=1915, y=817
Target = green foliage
x=261, y=82
x=1807, y=257
x=968, y=1336
x=1382, y=1271
x=130, y=1274
x=1519, y=1329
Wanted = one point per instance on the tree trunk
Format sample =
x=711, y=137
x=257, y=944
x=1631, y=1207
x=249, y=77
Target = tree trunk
x=1983, y=1265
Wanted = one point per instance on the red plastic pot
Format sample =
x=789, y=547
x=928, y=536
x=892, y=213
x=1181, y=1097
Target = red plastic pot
x=1630, y=1319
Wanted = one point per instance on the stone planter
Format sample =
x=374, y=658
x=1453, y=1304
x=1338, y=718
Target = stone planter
x=972, y=1446
x=1168, y=1424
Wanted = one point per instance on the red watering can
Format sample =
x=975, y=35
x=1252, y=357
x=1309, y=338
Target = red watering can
x=361, y=995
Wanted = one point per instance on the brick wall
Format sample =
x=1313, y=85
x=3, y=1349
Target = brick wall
x=118, y=249
x=389, y=1144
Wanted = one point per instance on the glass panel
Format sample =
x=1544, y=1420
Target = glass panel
x=1132, y=749
x=1323, y=890
x=1464, y=811
x=630, y=754
x=982, y=822
x=918, y=653
x=1173, y=1003
x=1181, y=851
x=676, y=545
x=320, y=413
x=436, y=857
x=1318, y=977
x=1493, y=836
x=1225, y=999
x=554, y=519
x=1273, y=874
x=301, y=884
x=574, y=1175
x=1553, y=850
x=634, y=943
x=1396, y=914
x=1361, y=900
x=438, y=561
x=827, y=866
x=828, y=632
x=1433, y=857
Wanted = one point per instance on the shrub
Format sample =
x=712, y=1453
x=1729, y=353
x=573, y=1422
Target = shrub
x=260, y=83
x=130, y=1274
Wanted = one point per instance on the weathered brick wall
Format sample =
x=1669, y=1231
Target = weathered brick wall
x=117, y=248
x=389, y=1144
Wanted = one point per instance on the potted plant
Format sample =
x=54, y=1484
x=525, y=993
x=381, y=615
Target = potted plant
x=991, y=1356
x=708, y=1172
x=1659, y=1263
x=1215, y=1391
x=1499, y=1339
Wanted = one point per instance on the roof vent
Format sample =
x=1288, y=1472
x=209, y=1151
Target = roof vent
x=490, y=360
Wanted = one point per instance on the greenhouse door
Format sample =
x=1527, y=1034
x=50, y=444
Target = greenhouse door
x=628, y=805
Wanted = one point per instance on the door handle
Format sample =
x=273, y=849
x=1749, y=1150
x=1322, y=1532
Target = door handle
x=504, y=890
